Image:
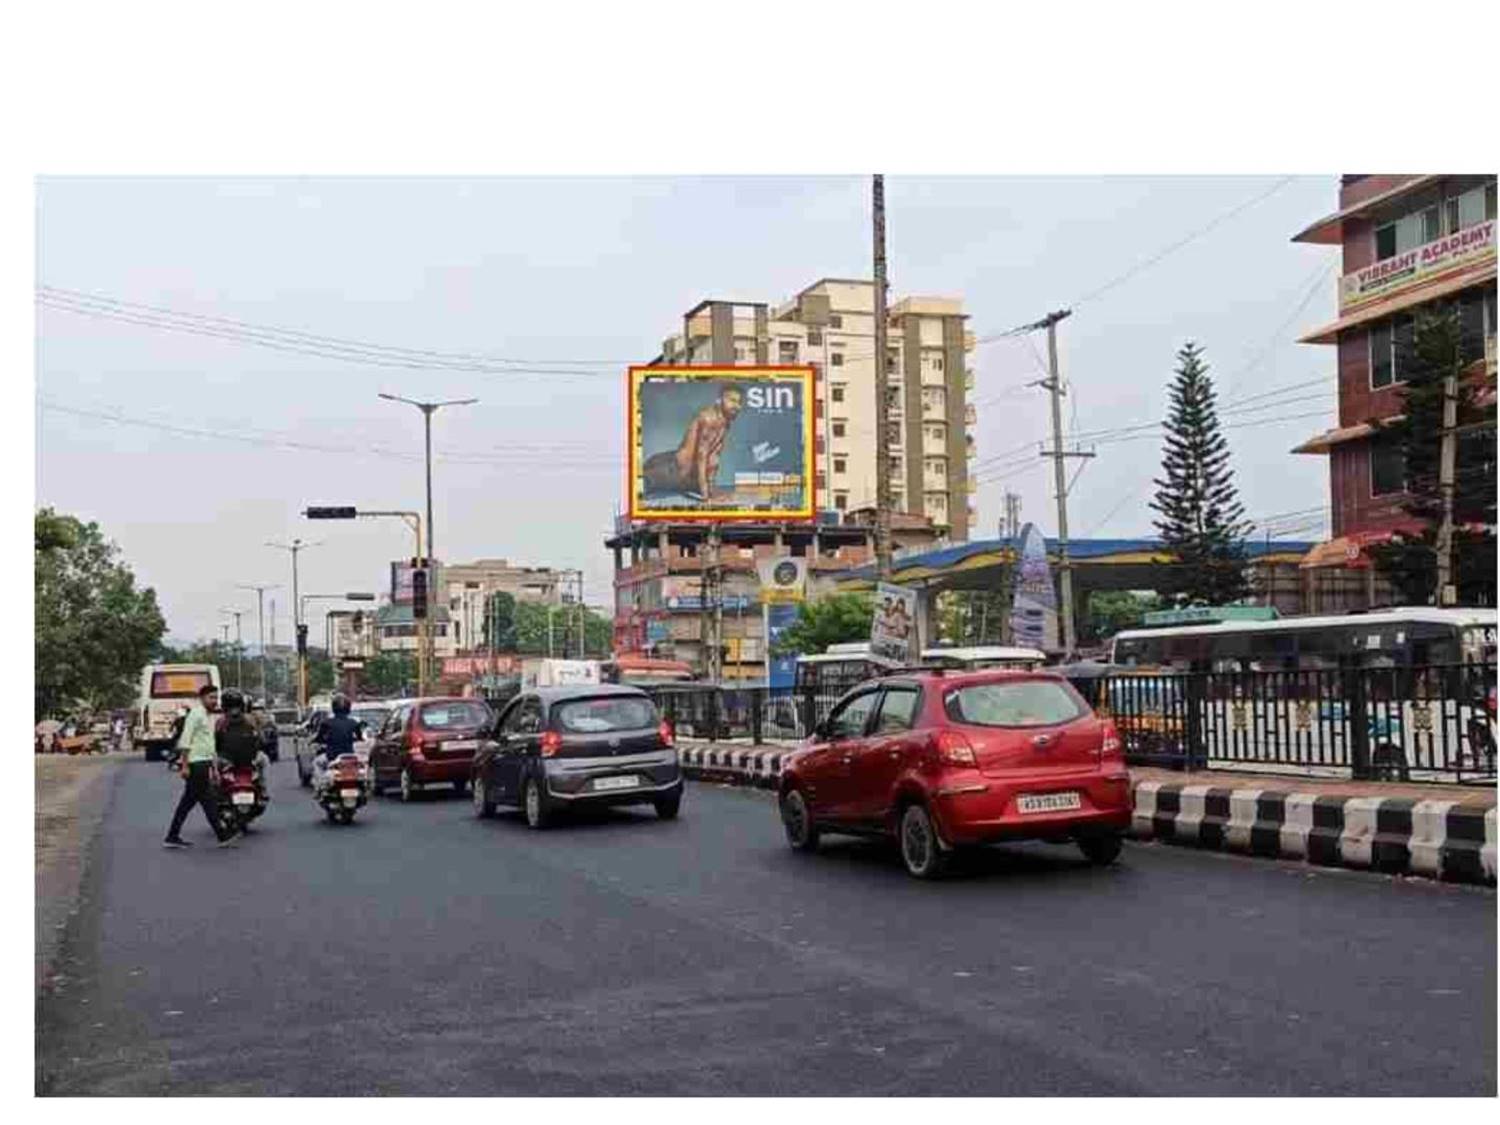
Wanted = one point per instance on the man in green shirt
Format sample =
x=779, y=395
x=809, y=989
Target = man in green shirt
x=199, y=782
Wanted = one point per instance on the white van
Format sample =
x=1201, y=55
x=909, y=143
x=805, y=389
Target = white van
x=166, y=691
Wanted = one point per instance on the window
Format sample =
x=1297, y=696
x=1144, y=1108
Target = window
x=838, y=429
x=787, y=351
x=937, y=363
x=458, y=715
x=1432, y=224
x=1387, y=468
x=837, y=359
x=893, y=433
x=1381, y=368
x=814, y=336
x=1489, y=201
x=835, y=321
x=1385, y=242
x=739, y=353
x=1029, y=703
x=605, y=714
x=936, y=435
x=1471, y=207
x=1451, y=207
x=840, y=464
x=898, y=710
x=524, y=718
x=851, y=717
x=841, y=500
x=838, y=392
x=895, y=462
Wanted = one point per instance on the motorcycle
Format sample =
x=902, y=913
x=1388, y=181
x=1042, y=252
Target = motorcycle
x=342, y=788
x=241, y=798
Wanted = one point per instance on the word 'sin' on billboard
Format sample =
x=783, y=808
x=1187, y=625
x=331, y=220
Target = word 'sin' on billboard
x=721, y=443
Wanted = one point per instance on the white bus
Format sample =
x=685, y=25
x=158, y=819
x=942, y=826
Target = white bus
x=984, y=656
x=167, y=690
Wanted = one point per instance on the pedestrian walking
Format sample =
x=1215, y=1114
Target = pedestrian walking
x=197, y=754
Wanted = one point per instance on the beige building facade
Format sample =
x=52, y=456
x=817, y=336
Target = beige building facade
x=830, y=325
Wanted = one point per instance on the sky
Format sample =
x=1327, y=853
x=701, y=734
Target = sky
x=579, y=277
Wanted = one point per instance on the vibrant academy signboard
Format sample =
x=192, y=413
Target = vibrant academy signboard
x=721, y=443
x=1419, y=265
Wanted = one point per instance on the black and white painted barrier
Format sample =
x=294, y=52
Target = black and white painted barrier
x=1397, y=835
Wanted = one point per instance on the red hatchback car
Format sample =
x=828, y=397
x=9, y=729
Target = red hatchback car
x=943, y=760
x=430, y=742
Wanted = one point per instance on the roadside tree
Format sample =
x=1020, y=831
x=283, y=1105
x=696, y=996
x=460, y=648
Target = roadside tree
x=834, y=619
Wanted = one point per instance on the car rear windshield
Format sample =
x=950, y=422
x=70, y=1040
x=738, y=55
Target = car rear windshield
x=606, y=713
x=285, y=717
x=1022, y=703
x=458, y=715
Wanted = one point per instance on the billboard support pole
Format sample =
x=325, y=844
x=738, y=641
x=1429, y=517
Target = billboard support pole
x=882, y=406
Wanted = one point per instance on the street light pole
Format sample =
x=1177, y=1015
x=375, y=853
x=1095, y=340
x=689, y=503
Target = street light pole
x=428, y=409
x=260, y=611
x=294, y=547
x=239, y=647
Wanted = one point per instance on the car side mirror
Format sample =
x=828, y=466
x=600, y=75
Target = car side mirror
x=820, y=731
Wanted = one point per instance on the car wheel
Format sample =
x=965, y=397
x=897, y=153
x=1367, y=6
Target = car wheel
x=797, y=819
x=534, y=805
x=408, y=787
x=483, y=806
x=920, y=851
x=1101, y=848
x=668, y=807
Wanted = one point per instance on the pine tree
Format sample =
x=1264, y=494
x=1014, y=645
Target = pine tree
x=1438, y=348
x=1202, y=522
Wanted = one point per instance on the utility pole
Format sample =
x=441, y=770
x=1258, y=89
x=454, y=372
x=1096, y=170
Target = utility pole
x=882, y=407
x=1059, y=455
x=1011, y=528
x=1447, y=593
x=260, y=603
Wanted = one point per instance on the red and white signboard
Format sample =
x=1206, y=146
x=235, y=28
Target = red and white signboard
x=1419, y=265
x=459, y=667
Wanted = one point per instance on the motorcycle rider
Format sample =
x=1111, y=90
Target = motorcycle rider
x=237, y=740
x=337, y=735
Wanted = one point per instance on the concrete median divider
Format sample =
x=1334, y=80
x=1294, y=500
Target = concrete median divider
x=1277, y=818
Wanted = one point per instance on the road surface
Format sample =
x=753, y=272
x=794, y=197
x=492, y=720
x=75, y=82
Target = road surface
x=423, y=951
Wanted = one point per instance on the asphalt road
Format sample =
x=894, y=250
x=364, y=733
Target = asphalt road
x=423, y=951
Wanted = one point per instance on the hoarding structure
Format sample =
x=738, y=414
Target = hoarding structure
x=720, y=443
x=1033, y=616
x=893, y=629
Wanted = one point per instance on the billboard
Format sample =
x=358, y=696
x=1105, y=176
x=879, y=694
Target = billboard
x=720, y=443
x=1033, y=615
x=893, y=629
x=781, y=671
x=401, y=572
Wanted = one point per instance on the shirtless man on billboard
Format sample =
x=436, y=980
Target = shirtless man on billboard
x=692, y=467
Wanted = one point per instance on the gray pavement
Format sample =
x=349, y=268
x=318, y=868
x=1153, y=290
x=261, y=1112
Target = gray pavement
x=425, y=952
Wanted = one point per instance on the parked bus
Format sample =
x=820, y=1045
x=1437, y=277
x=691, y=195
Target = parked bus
x=984, y=656
x=166, y=691
x=1403, y=693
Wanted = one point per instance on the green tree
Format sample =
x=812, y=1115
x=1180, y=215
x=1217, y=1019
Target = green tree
x=500, y=622
x=94, y=630
x=1202, y=522
x=1438, y=348
x=834, y=619
x=1109, y=611
x=389, y=673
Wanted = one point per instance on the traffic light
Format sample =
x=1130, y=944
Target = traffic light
x=419, y=594
x=332, y=513
x=301, y=640
x=357, y=623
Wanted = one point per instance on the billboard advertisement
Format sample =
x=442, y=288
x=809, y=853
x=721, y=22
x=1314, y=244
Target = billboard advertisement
x=720, y=443
x=401, y=572
x=893, y=630
x=1033, y=615
x=781, y=671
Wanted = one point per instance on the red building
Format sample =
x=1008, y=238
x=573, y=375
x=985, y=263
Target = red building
x=1409, y=242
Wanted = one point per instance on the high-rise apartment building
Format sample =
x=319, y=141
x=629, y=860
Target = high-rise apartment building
x=830, y=325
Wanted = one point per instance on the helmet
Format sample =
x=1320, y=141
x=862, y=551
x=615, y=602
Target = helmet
x=341, y=704
x=232, y=700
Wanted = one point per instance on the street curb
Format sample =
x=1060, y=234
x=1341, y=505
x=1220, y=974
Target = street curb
x=1396, y=835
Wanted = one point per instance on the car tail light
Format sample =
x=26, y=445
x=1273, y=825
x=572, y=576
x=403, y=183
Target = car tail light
x=1111, y=746
x=413, y=744
x=551, y=743
x=954, y=749
x=665, y=733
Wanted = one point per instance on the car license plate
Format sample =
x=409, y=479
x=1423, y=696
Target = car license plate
x=1048, y=802
x=616, y=782
x=462, y=744
x=244, y=798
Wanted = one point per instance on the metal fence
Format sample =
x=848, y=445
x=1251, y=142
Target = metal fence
x=1429, y=723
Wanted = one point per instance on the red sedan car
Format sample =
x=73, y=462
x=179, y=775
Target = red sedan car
x=943, y=760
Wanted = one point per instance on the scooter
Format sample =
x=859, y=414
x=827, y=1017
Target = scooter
x=241, y=799
x=342, y=788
